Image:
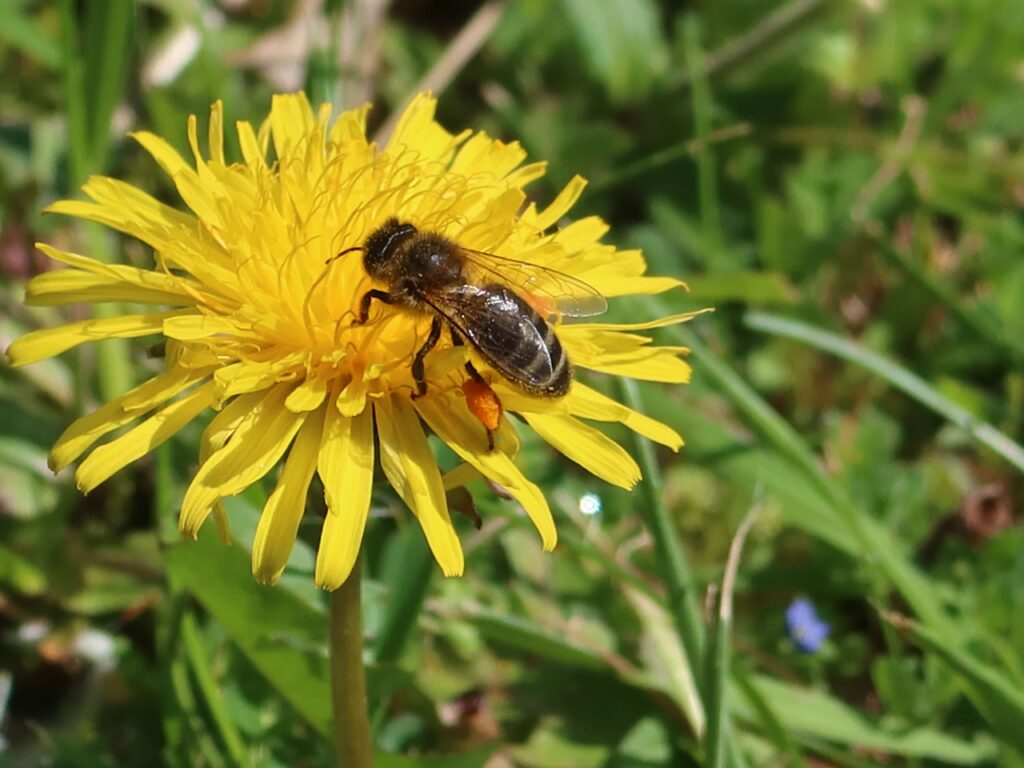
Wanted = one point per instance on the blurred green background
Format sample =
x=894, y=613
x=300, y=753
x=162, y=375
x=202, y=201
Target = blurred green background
x=843, y=181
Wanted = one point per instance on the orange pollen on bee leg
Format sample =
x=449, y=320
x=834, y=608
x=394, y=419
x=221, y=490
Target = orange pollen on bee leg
x=483, y=403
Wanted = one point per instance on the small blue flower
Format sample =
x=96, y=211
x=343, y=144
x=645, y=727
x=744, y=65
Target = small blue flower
x=804, y=627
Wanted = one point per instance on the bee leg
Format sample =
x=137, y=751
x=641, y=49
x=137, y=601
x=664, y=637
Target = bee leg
x=417, y=363
x=369, y=296
x=474, y=374
x=457, y=341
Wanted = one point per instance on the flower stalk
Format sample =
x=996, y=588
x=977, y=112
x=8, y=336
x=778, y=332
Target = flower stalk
x=352, y=741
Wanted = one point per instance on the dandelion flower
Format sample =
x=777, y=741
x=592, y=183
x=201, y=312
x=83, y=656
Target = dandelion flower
x=262, y=327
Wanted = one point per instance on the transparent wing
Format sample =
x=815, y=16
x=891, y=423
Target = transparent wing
x=548, y=291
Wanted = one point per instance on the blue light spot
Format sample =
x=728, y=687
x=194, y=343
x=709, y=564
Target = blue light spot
x=590, y=504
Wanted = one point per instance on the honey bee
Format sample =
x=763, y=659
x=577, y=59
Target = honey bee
x=492, y=302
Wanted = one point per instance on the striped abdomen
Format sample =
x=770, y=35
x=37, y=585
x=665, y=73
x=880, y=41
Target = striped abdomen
x=511, y=336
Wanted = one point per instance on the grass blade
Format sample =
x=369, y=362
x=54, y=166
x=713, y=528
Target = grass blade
x=73, y=73
x=707, y=180
x=675, y=569
x=408, y=583
x=20, y=31
x=107, y=49
x=200, y=666
x=811, y=716
x=874, y=544
x=717, y=668
x=897, y=376
x=994, y=692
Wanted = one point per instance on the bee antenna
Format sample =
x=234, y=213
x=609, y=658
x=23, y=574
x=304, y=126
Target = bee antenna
x=337, y=256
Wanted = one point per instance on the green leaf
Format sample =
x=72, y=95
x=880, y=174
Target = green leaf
x=213, y=698
x=666, y=665
x=810, y=714
x=872, y=541
x=623, y=43
x=17, y=29
x=19, y=574
x=898, y=376
x=717, y=662
x=476, y=759
x=279, y=633
x=549, y=749
x=996, y=692
x=107, y=49
x=524, y=635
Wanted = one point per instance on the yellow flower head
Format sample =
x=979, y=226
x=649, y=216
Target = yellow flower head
x=265, y=328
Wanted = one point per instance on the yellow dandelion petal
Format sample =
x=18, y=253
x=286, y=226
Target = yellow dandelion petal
x=279, y=522
x=593, y=450
x=257, y=375
x=660, y=322
x=215, y=134
x=84, y=432
x=560, y=206
x=418, y=132
x=91, y=281
x=648, y=364
x=39, y=345
x=191, y=327
x=217, y=432
x=624, y=354
x=252, y=450
x=409, y=464
x=345, y=465
x=456, y=426
x=351, y=126
x=591, y=404
x=126, y=209
x=291, y=118
x=307, y=396
x=253, y=151
x=352, y=399
x=461, y=475
x=136, y=443
x=282, y=320
x=67, y=286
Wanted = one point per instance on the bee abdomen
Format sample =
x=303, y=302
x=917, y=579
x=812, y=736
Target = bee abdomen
x=549, y=372
x=519, y=344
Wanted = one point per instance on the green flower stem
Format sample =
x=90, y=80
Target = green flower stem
x=352, y=742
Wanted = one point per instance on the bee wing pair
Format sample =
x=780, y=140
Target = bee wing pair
x=550, y=292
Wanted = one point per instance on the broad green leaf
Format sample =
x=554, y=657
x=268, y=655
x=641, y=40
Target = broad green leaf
x=476, y=759
x=665, y=659
x=898, y=376
x=19, y=574
x=21, y=31
x=280, y=634
x=810, y=714
x=623, y=43
x=549, y=749
x=524, y=635
x=997, y=693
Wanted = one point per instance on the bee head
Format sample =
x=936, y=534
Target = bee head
x=383, y=243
